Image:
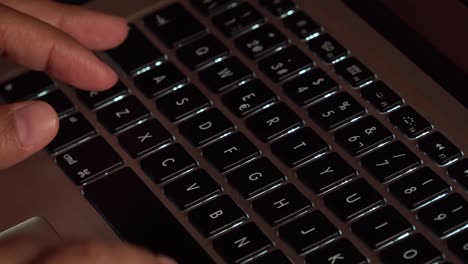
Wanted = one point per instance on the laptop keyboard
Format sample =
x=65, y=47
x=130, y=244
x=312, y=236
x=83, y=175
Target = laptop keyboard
x=138, y=216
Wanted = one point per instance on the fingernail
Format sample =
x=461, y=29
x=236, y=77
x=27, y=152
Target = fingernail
x=35, y=123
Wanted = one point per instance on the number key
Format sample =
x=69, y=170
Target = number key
x=284, y=63
x=261, y=41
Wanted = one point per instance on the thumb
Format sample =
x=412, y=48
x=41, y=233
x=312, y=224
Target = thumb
x=25, y=128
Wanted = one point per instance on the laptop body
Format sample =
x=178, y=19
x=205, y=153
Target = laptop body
x=39, y=186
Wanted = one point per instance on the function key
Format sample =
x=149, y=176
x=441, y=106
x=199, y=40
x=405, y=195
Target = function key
x=409, y=122
x=381, y=227
x=224, y=74
x=191, y=189
x=362, y=135
x=327, y=48
x=354, y=72
x=284, y=63
x=94, y=100
x=261, y=41
x=136, y=53
x=381, y=96
x=210, y=7
x=242, y=243
x=446, y=215
x=278, y=7
x=439, y=148
x=174, y=25
x=276, y=257
x=339, y=251
x=237, y=19
x=182, y=102
x=159, y=79
x=352, y=200
x=201, y=52
x=255, y=177
x=459, y=171
x=459, y=245
x=216, y=215
x=415, y=249
x=273, y=122
x=390, y=161
x=336, y=111
x=248, y=97
x=206, y=127
x=309, y=231
x=25, y=86
x=301, y=25
x=167, y=163
x=230, y=151
x=121, y=114
x=90, y=159
x=144, y=137
x=418, y=188
x=58, y=101
x=299, y=146
x=326, y=172
x=281, y=204
x=72, y=129
x=310, y=86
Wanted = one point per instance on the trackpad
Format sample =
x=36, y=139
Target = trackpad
x=36, y=228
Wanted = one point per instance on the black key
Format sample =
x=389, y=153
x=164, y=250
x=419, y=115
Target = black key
x=72, y=129
x=224, y=74
x=121, y=114
x=167, y=163
x=281, y=204
x=58, y=101
x=182, y=102
x=459, y=171
x=255, y=177
x=276, y=257
x=354, y=72
x=390, y=161
x=381, y=227
x=418, y=188
x=439, y=148
x=151, y=225
x=381, y=96
x=215, y=216
x=273, y=122
x=94, y=99
x=145, y=137
x=326, y=172
x=174, y=25
x=336, y=111
x=278, y=7
x=310, y=86
x=242, y=243
x=308, y=231
x=248, y=97
x=136, y=53
x=205, y=127
x=90, y=159
x=237, y=19
x=284, y=63
x=409, y=122
x=459, y=245
x=191, y=189
x=415, y=249
x=159, y=79
x=327, y=48
x=299, y=146
x=341, y=251
x=201, y=52
x=301, y=25
x=261, y=41
x=230, y=151
x=446, y=215
x=362, y=135
x=210, y=7
x=352, y=200
x=25, y=86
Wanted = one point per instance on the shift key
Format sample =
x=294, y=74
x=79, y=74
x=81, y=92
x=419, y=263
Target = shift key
x=88, y=160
